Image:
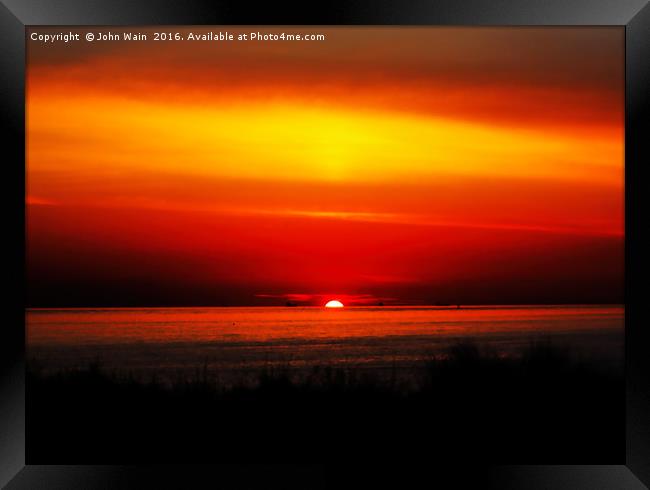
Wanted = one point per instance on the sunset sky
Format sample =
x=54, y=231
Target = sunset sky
x=403, y=165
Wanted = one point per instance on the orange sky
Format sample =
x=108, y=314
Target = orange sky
x=408, y=165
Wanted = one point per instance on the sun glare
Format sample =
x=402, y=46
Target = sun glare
x=334, y=304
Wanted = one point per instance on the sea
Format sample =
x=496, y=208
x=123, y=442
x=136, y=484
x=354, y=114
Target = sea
x=235, y=344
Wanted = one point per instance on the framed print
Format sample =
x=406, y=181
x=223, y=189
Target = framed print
x=337, y=233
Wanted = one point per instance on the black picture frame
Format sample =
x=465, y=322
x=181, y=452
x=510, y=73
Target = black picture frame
x=16, y=15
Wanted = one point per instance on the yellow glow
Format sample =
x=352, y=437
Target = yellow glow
x=289, y=141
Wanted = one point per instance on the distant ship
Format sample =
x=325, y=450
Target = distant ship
x=291, y=303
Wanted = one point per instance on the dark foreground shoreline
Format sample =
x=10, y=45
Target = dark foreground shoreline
x=541, y=407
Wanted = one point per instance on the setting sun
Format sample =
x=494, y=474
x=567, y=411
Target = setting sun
x=334, y=304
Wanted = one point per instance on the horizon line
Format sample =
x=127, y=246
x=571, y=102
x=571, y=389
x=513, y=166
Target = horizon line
x=447, y=306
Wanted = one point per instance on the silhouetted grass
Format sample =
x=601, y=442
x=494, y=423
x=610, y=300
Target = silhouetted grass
x=540, y=407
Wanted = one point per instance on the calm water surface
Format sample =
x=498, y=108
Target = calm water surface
x=238, y=341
